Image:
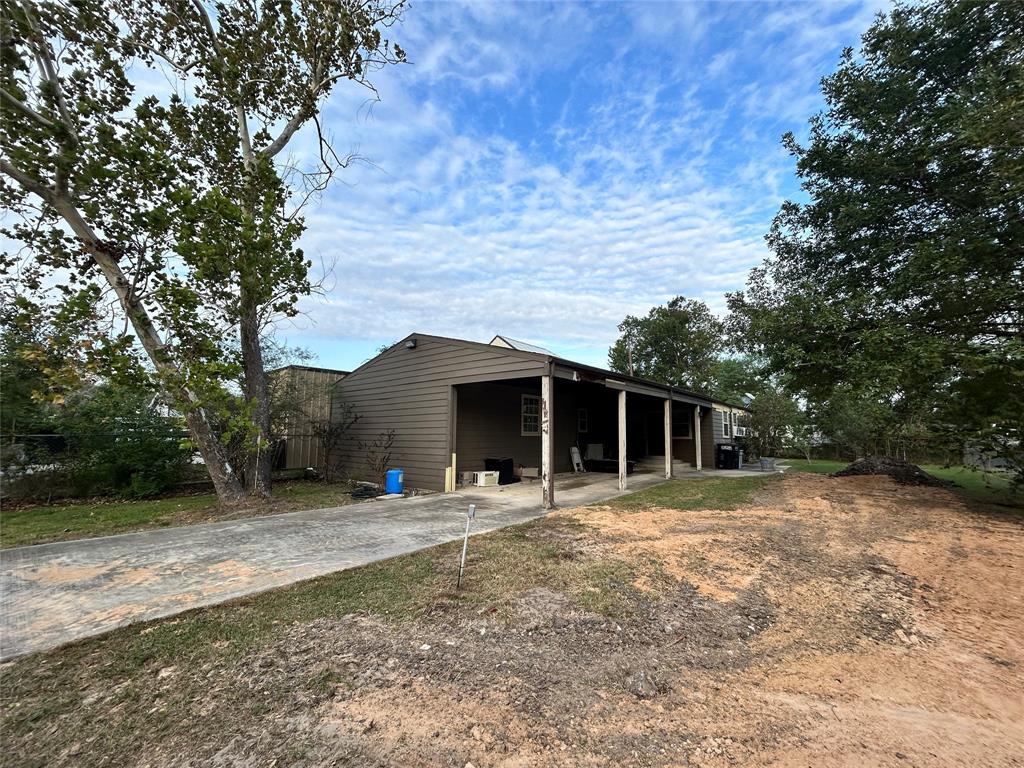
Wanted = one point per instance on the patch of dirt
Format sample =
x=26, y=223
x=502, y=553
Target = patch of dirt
x=902, y=472
x=832, y=622
x=824, y=625
x=65, y=573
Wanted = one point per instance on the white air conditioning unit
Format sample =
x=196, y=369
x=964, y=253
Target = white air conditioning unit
x=741, y=431
x=485, y=479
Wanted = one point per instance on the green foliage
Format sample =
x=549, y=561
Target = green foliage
x=777, y=423
x=677, y=344
x=859, y=423
x=177, y=203
x=118, y=443
x=902, y=274
x=22, y=372
x=734, y=378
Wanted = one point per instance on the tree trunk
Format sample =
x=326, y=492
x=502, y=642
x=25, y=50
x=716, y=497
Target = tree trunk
x=225, y=481
x=259, y=459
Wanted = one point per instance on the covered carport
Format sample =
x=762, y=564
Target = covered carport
x=629, y=396
x=631, y=421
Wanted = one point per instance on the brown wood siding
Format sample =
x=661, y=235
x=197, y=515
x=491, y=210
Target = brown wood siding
x=707, y=441
x=489, y=424
x=408, y=390
x=684, y=449
x=308, y=392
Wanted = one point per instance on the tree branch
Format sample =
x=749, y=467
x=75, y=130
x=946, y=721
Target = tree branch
x=286, y=134
x=204, y=17
x=25, y=109
x=240, y=117
x=48, y=68
x=32, y=185
x=183, y=68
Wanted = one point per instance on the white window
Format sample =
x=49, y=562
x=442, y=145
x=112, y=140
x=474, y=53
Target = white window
x=726, y=424
x=582, y=420
x=530, y=421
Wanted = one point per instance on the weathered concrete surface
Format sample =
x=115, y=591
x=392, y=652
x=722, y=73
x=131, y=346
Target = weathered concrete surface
x=56, y=593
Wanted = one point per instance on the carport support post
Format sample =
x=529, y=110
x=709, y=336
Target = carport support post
x=668, y=439
x=547, y=471
x=696, y=435
x=622, y=440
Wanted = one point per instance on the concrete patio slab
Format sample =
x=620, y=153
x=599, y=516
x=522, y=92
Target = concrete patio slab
x=51, y=594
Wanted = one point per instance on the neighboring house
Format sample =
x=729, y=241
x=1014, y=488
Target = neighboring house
x=726, y=420
x=446, y=396
x=301, y=397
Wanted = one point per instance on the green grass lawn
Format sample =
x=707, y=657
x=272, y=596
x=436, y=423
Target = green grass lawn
x=77, y=520
x=993, y=488
x=707, y=493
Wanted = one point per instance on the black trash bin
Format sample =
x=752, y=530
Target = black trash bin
x=727, y=456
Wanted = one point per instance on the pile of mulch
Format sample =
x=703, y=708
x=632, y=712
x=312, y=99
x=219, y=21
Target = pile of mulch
x=902, y=472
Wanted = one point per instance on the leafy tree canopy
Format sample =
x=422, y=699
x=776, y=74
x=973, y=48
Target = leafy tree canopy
x=179, y=209
x=902, y=272
x=677, y=344
x=735, y=379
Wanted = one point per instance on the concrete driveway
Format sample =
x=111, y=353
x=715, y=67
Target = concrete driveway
x=52, y=594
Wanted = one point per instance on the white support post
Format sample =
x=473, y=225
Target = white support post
x=696, y=436
x=547, y=470
x=668, y=439
x=622, y=440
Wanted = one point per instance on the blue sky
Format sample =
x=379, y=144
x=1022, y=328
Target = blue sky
x=541, y=170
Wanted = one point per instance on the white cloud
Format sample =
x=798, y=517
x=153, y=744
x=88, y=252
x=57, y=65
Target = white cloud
x=524, y=185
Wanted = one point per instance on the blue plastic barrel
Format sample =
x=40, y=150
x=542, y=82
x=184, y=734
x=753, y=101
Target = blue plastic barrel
x=394, y=481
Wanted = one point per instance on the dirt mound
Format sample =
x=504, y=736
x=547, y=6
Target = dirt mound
x=902, y=472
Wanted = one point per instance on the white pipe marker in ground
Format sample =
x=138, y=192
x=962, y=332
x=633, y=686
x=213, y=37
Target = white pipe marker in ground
x=465, y=543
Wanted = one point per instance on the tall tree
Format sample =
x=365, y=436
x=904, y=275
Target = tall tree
x=734, y=379
x=678, y=343
x=903, y=271
x=178, y=206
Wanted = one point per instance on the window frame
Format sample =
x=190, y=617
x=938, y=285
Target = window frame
x=523, y=414
x=684, y=422
x=582, y=421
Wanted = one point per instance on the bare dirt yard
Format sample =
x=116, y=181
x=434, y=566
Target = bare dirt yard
x=823, y=622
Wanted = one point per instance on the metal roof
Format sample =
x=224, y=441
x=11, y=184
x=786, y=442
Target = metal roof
x=522, y=346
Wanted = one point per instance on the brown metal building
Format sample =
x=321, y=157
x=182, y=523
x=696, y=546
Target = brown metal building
x=446, y=396
x=306, y=392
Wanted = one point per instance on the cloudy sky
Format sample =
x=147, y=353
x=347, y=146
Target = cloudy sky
x=541, y=170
